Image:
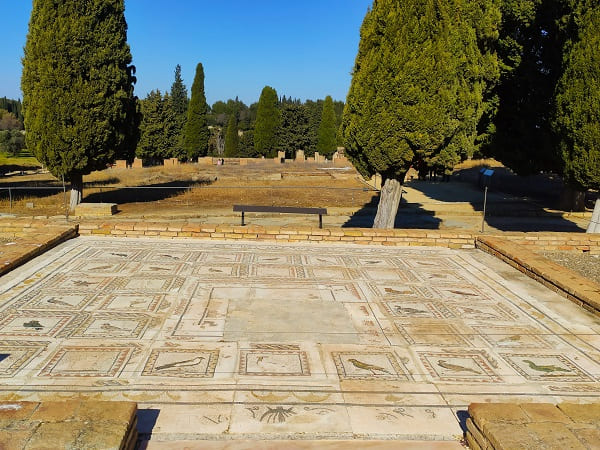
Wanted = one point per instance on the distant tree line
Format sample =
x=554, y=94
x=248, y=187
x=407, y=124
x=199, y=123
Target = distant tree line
x=12, y=139
x=171, y=124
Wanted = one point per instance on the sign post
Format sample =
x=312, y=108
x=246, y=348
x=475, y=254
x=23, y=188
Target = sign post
x=486, y=178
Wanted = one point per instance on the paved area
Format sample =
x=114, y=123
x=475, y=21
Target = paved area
x=240, y=340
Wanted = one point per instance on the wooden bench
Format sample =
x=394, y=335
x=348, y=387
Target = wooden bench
x=280, y=209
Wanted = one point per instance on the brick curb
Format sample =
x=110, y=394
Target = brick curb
x=580, y=290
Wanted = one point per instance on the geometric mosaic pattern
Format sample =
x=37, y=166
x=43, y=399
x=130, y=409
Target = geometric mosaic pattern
x=307, y=339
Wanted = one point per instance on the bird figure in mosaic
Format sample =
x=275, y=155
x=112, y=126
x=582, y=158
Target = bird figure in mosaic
x=409, y=310
x=122, y=255
x=54, y=301
x=185, y=363
x=456, y=367
x=108, y=327
x=509, y=339
x=534, y=366
x=394, y=291
x=366, y=366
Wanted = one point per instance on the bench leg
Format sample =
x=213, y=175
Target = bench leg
x=320, y=221
x=243, y=219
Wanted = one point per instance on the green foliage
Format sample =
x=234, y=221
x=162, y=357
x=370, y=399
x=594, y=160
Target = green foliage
x=577, y=117
x=327, y=143
x=158, y=129
x=8, y=121
x=267, y=122
x=196, y=131
x=80, y=111
x=246, y=145
x=293, y=131
x=420, y=83
x=14, y=107
x=179, y=105
x=530, y=48
x=232, y=137
x=12, y=142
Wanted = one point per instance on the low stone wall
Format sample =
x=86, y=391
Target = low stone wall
x=280, y=234
x=497, y=426
x=567, y=283
x=68, y=424
x=30, y=239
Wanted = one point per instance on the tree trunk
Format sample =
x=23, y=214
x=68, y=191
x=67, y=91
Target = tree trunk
x=572, y=200
x=76, y=191
x=594, y=226
x=388, y=204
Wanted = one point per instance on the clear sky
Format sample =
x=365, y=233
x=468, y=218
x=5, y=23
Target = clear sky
x=304, y=49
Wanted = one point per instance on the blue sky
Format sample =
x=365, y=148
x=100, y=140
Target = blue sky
x=304, y=49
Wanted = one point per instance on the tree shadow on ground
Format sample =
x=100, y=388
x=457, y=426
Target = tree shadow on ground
x=415, y=217
x=521, y=209
x=21, y=190
x=142, y=194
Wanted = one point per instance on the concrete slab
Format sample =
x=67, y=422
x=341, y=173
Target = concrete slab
x=263, y=341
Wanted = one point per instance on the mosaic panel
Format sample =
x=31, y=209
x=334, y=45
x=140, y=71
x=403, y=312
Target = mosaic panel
x=172, y=256
x=34, y=323
x=103, y=267
x=136, y=302
x=369, y=366
x=76, y=361
x=462, y=292
x=181, y=362
x=431, y=333
x=440, y=276
x=124, y=254
x=421, y=309
x=511, y=336
x=113, y=325
x=388, y=274
x=267, y=362
x=536, y=367
x=460, y=366
x=74, y=281
x=272, y=258
x=330, y=273
x=403, y=291
x=483, y=312
x=221, y=257
x=274, y=271
x=323, y=260
x=165, y=268
x=431, y=262
x=53, y=300
x=218, y=271
x=15, y=355
x=152, y=284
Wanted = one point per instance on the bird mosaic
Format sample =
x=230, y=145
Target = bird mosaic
x=455, y=367
x=544, y=368
x=375, y=370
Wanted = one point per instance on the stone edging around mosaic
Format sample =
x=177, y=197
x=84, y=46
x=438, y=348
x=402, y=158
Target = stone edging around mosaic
x=580, y=290
x=533, y=425
x=68, y=424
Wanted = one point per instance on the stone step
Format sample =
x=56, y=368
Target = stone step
x=301, y=445
x=95, y=209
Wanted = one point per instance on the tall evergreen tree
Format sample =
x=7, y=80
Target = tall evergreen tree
x=179, y=105
x=231, y=137
x=530, y=48
x=418, y=87
x=293, y=132
x=327, y=143
x=158, y=129
x=196, y=131
x=577, y=116
x=267, y=122
x=80, y=111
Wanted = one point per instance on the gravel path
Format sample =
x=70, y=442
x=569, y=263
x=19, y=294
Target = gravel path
x=582, y=263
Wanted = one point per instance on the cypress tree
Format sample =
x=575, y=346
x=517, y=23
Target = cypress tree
x=418, y=86
x=196, y=131
x=77, y=82
x=158, y=129
x=231, y=137
x=577, y=116
x=293, y=132
x=179, y=105
x=327, y=143
x=267, y=122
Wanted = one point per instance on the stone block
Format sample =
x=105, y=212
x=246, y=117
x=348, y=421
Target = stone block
x=50, y=436
x=581, y=413
x=14, y=440
x=552, y=436
x=483, y=413
x=95, y=209
x=508, y=436
x=121, y=164
x=56, y=411
x=137, y=164
x=544, y=412
x=12, y=411
x=116, y=412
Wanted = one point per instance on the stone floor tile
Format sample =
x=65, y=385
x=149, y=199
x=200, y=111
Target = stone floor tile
x=581, y=413
x=302, y=445
x=201, y=419
x=55, y=435
x=406, y=422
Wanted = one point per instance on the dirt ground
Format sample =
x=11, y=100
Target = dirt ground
x=191, y=186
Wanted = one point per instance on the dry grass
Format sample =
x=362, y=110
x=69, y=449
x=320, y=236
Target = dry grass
x=190, y=187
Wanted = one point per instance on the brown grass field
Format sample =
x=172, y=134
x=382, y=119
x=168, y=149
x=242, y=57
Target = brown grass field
x=174, y=190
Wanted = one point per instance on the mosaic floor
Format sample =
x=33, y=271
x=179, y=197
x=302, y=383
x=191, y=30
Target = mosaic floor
x=246, y=340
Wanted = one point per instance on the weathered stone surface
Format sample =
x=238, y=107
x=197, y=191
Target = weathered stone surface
x=505, y=436
x=15, y=440
x=56, y=411
x=15, y=411
x=116, y=412
x=589, y=435
x=95, y=209
x=544, y=412
x=582, y=413
x=483, y=413
x=52, y=436
x=552, y=436
x=476, y=435
x=103, y=436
